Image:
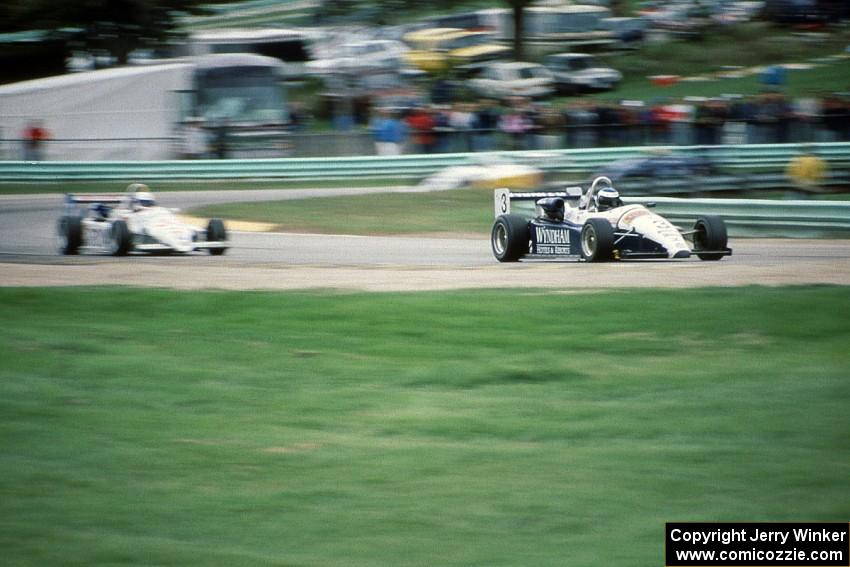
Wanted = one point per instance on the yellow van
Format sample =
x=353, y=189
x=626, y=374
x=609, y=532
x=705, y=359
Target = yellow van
x=437, y=49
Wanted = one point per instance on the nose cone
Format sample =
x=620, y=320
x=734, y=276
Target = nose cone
x=179, y=239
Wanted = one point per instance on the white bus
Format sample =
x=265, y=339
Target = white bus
x=292, y=46
x=141, y=112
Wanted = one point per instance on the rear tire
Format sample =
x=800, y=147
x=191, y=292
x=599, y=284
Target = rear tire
x=710, y=234
x=121, y=238
x=597, y=241
x=509, y=238
x=216, y=233
x=70, y=231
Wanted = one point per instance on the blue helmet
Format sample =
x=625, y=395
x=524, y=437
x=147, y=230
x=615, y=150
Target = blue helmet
x=100, y=210
x=607, y=198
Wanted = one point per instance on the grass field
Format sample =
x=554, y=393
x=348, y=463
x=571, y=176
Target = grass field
x=150, y=427
x=459, y=210
x=805, y=82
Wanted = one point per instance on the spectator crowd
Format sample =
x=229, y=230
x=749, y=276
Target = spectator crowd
x=521, y=124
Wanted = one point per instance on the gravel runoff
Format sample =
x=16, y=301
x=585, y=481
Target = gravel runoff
x=566, y=275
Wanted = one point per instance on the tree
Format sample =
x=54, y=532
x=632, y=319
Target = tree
x=117, y=26
x=518, y=10
x=618, y=8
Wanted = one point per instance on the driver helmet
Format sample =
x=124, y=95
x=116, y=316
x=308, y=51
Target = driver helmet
x=607, y=198
x=141, y=196
x=145, y=199
x=551, y=209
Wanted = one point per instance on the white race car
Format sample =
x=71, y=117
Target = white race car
x=132, y=222
x=596, y=227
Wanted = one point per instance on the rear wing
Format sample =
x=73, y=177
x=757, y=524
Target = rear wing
x=75, y=202
x=502, y=198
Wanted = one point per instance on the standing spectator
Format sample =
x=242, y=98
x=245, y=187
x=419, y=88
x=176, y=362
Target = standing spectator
x=630, y=120
x=194, y=139
x=806, y=112
x=702, y=123
x=765, y=119
x=550, y=128
x=389, y=133
x=514, y=122
x=35, y=135
x=582, y=121
x=297, y=117
x=660, y=124
x=442, y=130
x=641, y=123
x=743, y=114
x=681, y=117
x=461, y=121
x=836, y=117
x=608, y=124
x=485, y=124
x=421, y=124
x=221, y=135
x=708, y=122
x=784, y=116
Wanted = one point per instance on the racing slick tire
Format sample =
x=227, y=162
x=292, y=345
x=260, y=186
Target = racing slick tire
x=216, y=233
x=597, y=241
x=70, y=229
x=509, y=238
x=710, y=234
x=120, y=239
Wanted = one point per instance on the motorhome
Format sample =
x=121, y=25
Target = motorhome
x=141, y=112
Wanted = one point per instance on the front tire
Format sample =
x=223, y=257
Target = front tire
x=597, y=241
x=710, y=234
x=509, y=238
x=70, y=230
x=120, y=238
x=216, y=233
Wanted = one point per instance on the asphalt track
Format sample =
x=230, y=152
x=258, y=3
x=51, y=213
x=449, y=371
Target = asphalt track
x=379, y=263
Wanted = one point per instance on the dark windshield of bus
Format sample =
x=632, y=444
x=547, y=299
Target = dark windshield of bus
x=464, y=41
x=240, y=94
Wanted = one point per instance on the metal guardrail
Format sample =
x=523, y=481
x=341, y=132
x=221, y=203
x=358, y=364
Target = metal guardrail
x=721, y=183
x=759, y=217
x=757, y=166
x=745, y=158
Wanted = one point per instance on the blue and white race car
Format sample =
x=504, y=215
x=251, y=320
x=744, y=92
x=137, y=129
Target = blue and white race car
x=119, y=224
x=596, y=227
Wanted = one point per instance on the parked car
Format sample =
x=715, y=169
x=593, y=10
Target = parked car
x=369, y=54
x=438, y=49
x=505, y=79
x=579, y=72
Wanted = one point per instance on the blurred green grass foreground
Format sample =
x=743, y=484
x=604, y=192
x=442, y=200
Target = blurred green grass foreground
x=153, y=427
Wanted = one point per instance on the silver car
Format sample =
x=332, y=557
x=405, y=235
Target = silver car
x=579, y=72
x=501, y=80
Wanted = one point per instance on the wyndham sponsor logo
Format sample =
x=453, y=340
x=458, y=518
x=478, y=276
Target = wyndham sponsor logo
x=552, y=236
